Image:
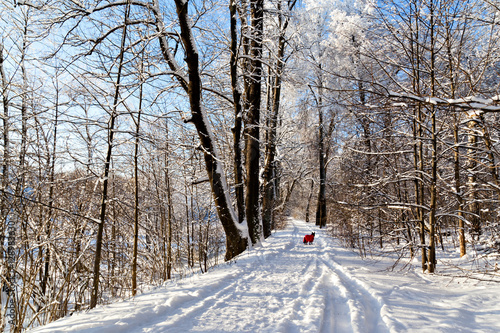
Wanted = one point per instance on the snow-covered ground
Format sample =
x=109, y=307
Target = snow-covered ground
x=286, y=286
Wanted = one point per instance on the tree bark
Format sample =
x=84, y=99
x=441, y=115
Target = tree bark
x=52, y=167
x=252, y=121
x=136, y=191
x=321, y=206
x=236, y=242
x=4, y=207
x=104, y=196
x=458, y=190
x=433, y=187
x=418, y=118
x=238, y=116
x=471, y=165
x=309, y=200
x=6, y=151
x=456, y=138
x=269, y=174
x=170, y=212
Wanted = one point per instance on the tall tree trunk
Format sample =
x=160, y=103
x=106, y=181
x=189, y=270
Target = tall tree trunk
x=321, y=206
x=52, y=161
x=104, y=196
x=433, y=198
x=269, y=174
x=19, y=217
x=433, y=187
x=188, y=219
x=451, y=60
x=458, y=190
x=6, y=153
x=419, y=184
x=4, y=207
x=418, y=118
x=252, y=121
x=471, y=165
x=136, y=189
x=238, y=116
x=236, y=240
x=170, y=216
x=309, y=200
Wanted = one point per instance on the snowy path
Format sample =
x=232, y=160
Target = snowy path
x=286, y=286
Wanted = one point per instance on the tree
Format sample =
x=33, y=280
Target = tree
x=136, y=186
x=235, y=238
x=274, y=99
x=252, y=102
x=107, y=165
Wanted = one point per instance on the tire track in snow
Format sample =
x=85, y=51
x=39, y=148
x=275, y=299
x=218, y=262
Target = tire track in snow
x=297, y=270
x=331, y=295
x=180, y=307
x=306, y=302
x=365, y=307
x=282, y=286
x=336, y=312
x=241, y=283
x=315, y=294
x=300, y=274
x=296, y=307
x=319, y=301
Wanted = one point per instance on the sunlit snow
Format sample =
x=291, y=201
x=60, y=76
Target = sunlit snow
x=286, y=286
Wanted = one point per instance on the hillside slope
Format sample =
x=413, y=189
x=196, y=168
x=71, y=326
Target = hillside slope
x=286, y=286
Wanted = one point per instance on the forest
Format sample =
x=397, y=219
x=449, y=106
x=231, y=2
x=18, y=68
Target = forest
x=143, y=140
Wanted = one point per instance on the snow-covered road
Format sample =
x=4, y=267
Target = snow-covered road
x=286, y=286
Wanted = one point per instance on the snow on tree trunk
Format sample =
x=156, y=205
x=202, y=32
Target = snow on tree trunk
x=252, y=121
x=236, y=233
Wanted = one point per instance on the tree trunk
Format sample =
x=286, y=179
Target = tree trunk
x=309, y=200
x=236, y=242
x=269, y=174
x=433, y=187
x=107, y=164
x=471, y=174
x=6, y=158
x=136, y=191
x=51, y=166
x=321, y=206
x=170, y=213
x=458, y=190
x=238, y=117
x=4, y=210
x=433, y=190
x=418, y=118
x=456, y=138
x=252, y=121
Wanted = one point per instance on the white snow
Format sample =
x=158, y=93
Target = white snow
x=286, y=286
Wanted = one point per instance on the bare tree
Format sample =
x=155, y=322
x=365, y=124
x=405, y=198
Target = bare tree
x=274, y=98
x=107, y=164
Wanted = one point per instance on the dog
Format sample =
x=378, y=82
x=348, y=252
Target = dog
x=308, y=239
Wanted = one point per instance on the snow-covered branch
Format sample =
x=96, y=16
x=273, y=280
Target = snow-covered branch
x=467, y=103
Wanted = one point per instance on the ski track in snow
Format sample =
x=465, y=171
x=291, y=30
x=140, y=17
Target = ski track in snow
x=283, y=286
x=287, y=288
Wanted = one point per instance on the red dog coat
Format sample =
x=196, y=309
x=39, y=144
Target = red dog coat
x=308, y=239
